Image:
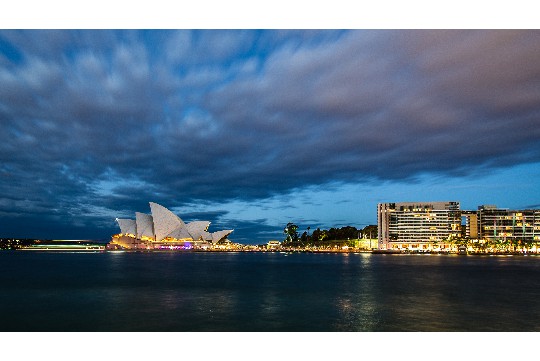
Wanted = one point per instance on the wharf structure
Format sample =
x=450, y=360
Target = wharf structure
x=164, y=230
x=436, y=226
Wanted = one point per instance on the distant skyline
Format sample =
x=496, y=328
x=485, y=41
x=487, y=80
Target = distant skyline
x=254, y=129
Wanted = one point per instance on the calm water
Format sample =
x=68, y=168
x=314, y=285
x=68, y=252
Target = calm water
x=267, y=292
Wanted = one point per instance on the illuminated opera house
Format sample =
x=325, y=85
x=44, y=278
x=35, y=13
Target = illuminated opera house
x=163, y=230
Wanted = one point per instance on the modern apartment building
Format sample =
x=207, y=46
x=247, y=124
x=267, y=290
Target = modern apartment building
x=497, y=224
x=417, y=225
x=471, y=224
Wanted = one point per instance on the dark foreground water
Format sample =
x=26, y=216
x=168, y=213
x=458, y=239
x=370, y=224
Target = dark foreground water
x=267, y=292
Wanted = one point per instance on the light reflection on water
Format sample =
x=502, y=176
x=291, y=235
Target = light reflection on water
x=267, y=292
x=357, y=306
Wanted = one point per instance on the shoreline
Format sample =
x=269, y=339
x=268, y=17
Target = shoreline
x=286, y=251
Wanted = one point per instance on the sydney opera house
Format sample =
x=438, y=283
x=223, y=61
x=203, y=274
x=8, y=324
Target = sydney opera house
x=163, y=230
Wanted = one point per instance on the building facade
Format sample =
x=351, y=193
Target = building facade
x=498, y=224
x=417, y=225
x=471, y=224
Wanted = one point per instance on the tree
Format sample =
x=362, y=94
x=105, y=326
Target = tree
x=458, y=240
x=528, y=244
x=370, y=231
x=291, y=232
x=315, y=236
x=304, y=239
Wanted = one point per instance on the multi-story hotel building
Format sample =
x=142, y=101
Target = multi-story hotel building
x=417, y=225
x=495, y=224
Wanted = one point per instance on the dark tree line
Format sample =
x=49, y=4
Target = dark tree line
x=323, y=236
x=12, y=243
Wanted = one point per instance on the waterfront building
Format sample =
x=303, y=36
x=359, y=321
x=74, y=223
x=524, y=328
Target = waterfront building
x=471, y=224
x=418, y=226
x=500, y=224
x=273, y=244
x=163, y=230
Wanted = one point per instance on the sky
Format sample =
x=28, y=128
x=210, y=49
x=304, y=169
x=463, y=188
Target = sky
x=252, y=129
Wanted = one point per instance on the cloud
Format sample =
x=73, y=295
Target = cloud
x=112, y=120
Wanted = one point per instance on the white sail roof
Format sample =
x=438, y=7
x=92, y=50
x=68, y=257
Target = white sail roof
x=197, y=228
x=219, y=235
x=145, y=225
x=180, y=233
x=166, y=223
x=215, y=237
x=206, y=236
x=163, y=223
x=127, y=226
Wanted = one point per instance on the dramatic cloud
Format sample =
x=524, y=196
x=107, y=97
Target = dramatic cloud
x=98, y=123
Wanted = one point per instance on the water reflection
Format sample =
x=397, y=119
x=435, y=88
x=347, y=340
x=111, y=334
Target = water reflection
x=268, y=292
x=356, y=303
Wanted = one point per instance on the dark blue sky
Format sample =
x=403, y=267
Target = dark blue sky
x=253, y=129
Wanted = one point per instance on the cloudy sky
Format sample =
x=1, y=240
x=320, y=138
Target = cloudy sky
x=253, y=129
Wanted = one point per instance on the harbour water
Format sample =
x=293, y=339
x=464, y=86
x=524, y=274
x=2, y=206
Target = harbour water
x=174, y=291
